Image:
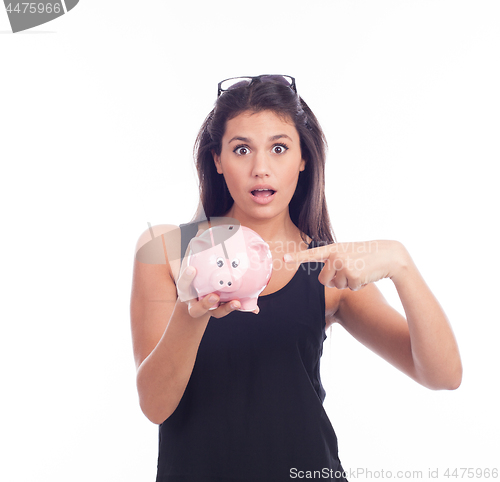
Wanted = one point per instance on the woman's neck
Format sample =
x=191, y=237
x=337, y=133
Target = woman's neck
x=276, y=231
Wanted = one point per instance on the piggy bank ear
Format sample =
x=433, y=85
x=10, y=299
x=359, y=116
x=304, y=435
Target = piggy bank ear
x=200, y=243
x=259, y=249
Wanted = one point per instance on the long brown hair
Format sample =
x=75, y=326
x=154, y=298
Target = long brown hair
x=307, y=207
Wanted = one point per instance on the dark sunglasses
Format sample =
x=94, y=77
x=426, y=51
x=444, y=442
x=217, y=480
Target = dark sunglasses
x=238, y=82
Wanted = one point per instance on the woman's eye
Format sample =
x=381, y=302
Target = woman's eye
x=280, y=149
x=242, y=151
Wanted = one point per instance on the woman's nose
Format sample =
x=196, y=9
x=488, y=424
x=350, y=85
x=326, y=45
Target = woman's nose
x=261, y=165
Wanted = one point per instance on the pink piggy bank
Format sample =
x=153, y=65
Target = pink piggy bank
x=232, y=261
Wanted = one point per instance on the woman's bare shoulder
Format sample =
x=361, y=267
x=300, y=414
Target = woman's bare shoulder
x=153, y=232
x=160, y=245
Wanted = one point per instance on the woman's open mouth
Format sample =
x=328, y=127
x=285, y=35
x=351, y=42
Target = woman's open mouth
x=263, y=196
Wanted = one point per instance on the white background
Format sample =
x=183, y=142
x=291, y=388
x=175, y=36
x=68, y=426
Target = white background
x=99, y=111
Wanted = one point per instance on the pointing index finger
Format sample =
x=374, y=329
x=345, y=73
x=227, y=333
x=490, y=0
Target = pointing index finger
x=320, y=253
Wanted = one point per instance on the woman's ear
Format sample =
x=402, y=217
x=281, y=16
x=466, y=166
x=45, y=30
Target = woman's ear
x=217, y=162
x=302, y=165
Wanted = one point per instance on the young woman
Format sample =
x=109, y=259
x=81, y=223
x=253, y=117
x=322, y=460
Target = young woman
x=238, y=395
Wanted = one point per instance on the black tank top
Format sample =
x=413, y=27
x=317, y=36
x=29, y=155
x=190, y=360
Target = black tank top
x=253, y=407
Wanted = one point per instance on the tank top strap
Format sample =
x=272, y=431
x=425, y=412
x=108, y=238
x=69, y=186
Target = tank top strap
x=188, y=232
x=313, y=265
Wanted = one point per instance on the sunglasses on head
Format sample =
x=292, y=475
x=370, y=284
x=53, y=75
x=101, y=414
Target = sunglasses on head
x=238, y=82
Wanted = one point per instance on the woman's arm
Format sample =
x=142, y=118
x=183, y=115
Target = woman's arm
x=434, y=348
x=422, y=345
x=166, y=334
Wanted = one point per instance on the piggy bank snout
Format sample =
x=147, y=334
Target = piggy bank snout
x=222, y=280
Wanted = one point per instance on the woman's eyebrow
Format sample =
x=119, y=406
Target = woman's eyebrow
x=279, y=136
x=247, y=139
x=238, y=138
